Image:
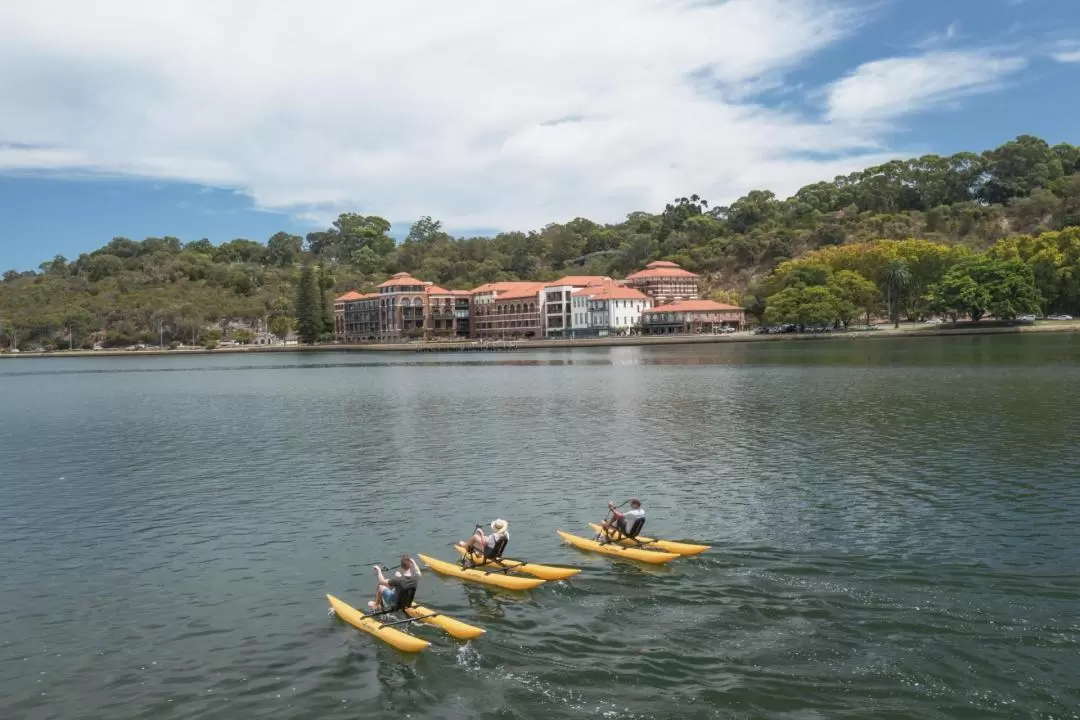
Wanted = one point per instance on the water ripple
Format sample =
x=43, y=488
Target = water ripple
x=894, y=531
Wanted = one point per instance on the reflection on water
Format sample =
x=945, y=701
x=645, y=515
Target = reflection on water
x=966, y=352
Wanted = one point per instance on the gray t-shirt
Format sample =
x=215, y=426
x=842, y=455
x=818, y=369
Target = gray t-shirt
x=404, y=582
x=632, y=516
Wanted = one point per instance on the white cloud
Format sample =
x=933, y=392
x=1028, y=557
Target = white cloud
x=420, y=107
x=883, y=90
x=942, y=38
x=16, y=157
x=1067, y=56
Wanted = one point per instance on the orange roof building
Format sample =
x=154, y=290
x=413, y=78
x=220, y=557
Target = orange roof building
x=506, y=310
x=665, y=282
x=403, y=308
x=556, y=314
x=690, y=316
x=608, y=309
x=580, y=281
x=351, y=295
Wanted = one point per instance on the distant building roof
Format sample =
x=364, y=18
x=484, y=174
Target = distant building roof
x=611, y=291
x=401, y=278
x=581, y=280
x=351, y=295
x=501, y=287
x=524, y=291
x=660, y=268
x=693, y=306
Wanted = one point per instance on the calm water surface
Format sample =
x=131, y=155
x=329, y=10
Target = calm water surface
x=896, y=531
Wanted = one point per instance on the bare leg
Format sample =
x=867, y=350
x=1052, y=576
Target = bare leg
x=376, y=604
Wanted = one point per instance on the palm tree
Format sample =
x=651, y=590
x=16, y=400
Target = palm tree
x=897, y=279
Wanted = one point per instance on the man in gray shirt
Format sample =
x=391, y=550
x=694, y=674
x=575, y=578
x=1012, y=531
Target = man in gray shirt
x=629, y=523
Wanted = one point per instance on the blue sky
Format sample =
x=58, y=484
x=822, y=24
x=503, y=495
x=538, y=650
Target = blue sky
x=195, y=121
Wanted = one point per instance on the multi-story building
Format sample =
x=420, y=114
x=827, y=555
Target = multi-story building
x=447, y=312
x=506, y=310
x=557, y=317
x=691, y=316
x=661, y=299
x=665, y=282
x=403, y=308
x=339, y=312
x=358, y=317
x=609, y=309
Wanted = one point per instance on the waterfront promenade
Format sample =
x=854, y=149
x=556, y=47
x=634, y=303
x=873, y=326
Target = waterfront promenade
x=906, y=330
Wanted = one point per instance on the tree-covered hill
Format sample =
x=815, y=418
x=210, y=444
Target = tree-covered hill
x=1003, y=200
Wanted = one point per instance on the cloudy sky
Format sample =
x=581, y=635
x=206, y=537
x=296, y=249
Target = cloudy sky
x=230, y=118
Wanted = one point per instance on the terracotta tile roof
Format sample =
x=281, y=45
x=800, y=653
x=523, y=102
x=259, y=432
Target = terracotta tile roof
x=501, y=287
x=437, y=290
x=581, y=280
x=692, y=306
x=401, y=278
x=660, y=269
x=529, y=290
x=611, y=291
x=351, y=295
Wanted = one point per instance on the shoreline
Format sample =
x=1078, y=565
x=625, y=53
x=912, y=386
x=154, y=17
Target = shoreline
x=634, y=341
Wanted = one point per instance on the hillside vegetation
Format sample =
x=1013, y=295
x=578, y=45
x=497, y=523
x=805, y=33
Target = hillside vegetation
x=966, y=235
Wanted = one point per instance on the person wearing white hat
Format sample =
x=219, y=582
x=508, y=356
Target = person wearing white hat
x=487, y=547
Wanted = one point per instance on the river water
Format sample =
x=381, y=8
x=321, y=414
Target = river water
x=895, y=529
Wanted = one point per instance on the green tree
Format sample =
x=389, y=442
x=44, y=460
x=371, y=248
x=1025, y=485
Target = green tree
x=283, y=249
x=897, y=280
x=281, y=325
x=323, y=285
x=856, y=293
x=975, y=288
x=308, y=309
x=813, y=305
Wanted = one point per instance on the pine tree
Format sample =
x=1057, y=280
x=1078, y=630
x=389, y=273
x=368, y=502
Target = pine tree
x=308, y=319
x=326, y=320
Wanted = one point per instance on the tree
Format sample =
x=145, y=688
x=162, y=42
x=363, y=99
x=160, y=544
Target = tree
x=240, y=250
x=283, y=249
x=282, y=325
x=975, y=288
x=855, y=292
x=897, y=279
x=814, y=305
x=349, y=233
x=326, y=320
x=308, y=317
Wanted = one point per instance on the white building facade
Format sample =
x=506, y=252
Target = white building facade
x=607, y=310
x=557, y=303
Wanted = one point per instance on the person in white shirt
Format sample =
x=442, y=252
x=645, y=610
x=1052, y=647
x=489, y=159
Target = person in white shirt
x=482, y=548
x=627, y=524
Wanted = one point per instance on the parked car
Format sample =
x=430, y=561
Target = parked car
x=1060, y=317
